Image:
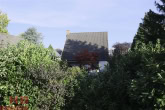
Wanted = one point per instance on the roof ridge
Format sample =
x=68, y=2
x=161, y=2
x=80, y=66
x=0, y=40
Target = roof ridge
x=87, y=32
x=8, y=35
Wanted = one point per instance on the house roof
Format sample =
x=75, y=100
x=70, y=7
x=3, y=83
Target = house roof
x=6, y=39
x=57, y=54
x=91, y=41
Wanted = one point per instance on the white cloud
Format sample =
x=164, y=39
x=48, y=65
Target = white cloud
x=54, y=13
x=50, y=19
x=72, y=13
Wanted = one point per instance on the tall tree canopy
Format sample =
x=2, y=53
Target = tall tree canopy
x=3, y=22
x=121, y=48
x=32, y=35
x=50, y=47
x=152, y=27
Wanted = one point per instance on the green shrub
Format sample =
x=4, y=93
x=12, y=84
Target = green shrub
x=133, y=81
x=34, y=71
x=148, y=87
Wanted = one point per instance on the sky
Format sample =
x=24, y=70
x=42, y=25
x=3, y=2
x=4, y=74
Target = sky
x=120, y=18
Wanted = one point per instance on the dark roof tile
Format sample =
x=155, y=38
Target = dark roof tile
x=93, y=41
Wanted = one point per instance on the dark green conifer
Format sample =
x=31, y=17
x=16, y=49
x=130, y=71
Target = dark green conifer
x=152, y=27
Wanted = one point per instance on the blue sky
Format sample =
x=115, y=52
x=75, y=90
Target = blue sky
x=120, y=18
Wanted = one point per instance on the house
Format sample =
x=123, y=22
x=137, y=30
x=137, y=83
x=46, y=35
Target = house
x=96, y=42
x=6, y=39
x=111, y=51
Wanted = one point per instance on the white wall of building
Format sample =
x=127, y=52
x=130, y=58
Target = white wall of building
x=102, y=65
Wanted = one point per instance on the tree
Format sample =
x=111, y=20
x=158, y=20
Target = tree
x=147, y=88
x=87, y=58
x=3, y=22
x=152, y=27
x=28, y=69
x=121, y=48
x=161, y=7
x=32, y=35
x=50, y=47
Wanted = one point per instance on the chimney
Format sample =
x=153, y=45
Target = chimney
x=67, y=32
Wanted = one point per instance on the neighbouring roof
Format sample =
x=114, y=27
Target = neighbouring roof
x=57, y=54
x=92, y=41
x=6, y=39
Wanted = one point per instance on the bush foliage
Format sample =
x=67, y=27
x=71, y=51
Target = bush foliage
x=132, y=81
x=34, y=71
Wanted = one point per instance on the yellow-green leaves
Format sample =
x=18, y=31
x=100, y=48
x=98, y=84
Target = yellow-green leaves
x=3, y=22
